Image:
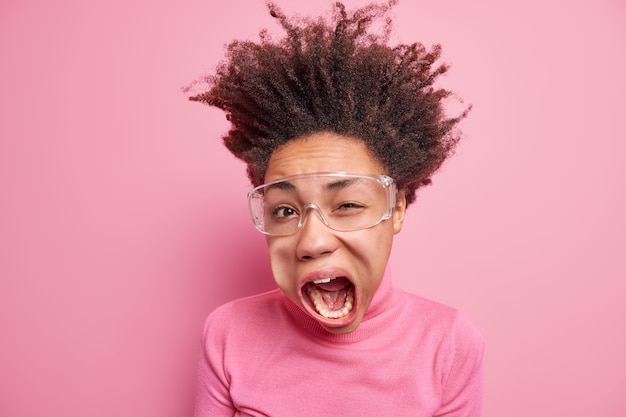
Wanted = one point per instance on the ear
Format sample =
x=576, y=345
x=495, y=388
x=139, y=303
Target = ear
x=398, y=212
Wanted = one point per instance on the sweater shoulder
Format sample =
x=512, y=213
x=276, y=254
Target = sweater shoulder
x=430, y=310
x=244, y=313
x=443, y=318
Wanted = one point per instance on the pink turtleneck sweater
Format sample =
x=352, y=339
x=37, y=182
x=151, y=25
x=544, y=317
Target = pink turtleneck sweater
x=263, y=356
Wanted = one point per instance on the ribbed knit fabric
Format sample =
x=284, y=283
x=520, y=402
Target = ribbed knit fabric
x=263, y=356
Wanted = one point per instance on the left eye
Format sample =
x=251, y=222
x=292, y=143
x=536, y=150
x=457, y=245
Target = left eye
x=350, y=207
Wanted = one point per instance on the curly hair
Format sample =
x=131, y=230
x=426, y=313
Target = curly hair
x=336, y=77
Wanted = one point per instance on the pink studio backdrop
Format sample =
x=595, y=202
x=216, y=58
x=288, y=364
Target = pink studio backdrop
x=124, y=220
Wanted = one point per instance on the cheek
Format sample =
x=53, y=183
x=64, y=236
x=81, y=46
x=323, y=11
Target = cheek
x=279, y=250
x=280, y=256
x=377, y=242
x=371, y=250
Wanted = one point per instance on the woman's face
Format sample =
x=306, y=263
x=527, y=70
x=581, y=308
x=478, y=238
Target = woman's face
x=353, y=261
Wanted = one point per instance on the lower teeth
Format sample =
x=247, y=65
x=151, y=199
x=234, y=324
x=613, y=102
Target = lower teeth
x=320, y=306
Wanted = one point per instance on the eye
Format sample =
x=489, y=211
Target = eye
x=349, y=208
x=284, y=212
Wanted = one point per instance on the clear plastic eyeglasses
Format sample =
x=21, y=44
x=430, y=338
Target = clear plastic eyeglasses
x=344, y=202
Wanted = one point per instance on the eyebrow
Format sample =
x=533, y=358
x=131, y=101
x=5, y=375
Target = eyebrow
x=339, y=184
x=281, y=185
x=331, y=186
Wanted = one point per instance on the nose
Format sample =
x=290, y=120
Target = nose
x=315, y=238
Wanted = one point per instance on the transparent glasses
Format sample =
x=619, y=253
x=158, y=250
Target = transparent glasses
x=344, y=202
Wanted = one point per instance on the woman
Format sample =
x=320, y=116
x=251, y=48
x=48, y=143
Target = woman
x=338, y=131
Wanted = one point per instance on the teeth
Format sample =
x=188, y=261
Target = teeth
x=323, y=281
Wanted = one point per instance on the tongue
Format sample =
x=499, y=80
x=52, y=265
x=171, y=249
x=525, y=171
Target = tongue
x=335, y=300
x=334, y=285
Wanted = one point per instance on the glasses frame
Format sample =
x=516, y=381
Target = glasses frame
x=388, y=184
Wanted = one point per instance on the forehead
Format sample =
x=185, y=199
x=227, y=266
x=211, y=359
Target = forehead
x=329, y=182
x=322, y=152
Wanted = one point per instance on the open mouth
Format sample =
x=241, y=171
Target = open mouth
x=332, y=297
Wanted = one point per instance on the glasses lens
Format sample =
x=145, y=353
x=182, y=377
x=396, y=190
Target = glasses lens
x=343, y=202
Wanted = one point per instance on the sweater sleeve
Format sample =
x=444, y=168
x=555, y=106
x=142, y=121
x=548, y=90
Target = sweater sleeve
x=462, y=389
x=212, y=395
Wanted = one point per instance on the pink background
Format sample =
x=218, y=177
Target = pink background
x=124, y=220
